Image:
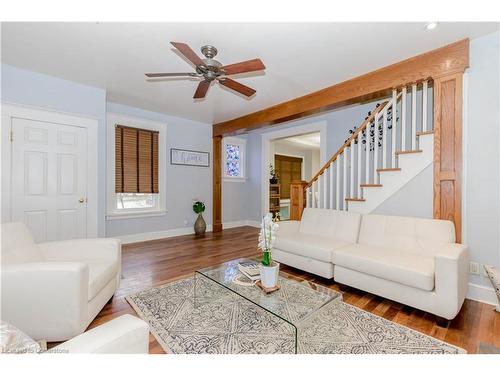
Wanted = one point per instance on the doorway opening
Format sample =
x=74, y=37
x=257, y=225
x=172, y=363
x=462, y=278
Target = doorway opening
x=291, y=158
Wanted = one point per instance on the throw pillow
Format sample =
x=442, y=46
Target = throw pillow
x=494, y=276
x=15, y=341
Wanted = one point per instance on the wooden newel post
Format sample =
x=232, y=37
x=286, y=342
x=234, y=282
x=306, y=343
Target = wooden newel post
x=217, y=184
x=297, y=199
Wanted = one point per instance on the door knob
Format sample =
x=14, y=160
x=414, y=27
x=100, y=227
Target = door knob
x=81, y=200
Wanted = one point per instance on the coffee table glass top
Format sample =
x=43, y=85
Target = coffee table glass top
x=295, y=301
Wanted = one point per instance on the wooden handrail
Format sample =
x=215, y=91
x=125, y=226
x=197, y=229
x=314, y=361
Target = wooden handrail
x=348, y=142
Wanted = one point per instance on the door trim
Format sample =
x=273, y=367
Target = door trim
x=10, y=111
x=267, y=137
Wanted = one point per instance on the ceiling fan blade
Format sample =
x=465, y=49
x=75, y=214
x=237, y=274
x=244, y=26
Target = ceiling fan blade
x=188, y=53
x=244, y=67
x=236, y=86
x=201, y=90
x=157, y=75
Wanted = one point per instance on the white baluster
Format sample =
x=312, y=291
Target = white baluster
x=320, y=178
x=367, y=154
x=344, y=179
x=325, y=186
x=330, y=169
x=403, y=120
x=358, y=188
x=308, y=197
x=375, y=146
x=337, y=182
x=351, y=166
x=424, y=107
x=384, y=139
x=413, y=116
x=394, y=115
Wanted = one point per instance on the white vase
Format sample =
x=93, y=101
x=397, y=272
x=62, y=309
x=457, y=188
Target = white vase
x=269, y=275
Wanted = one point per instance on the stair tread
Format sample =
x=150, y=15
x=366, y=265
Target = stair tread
x=426, y=132
x=370, y=185
x=355, y=199
x=408, y=152
x=388, y=170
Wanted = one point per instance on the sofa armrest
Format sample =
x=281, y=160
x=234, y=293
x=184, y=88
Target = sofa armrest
x=451, y=273
x=123, y=335
x=36, y=297
x=75, y=250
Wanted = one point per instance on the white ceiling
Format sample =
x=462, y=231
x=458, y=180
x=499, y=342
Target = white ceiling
x=309, y=141
x=300, y=57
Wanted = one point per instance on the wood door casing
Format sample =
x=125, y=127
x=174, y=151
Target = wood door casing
x=289, y=169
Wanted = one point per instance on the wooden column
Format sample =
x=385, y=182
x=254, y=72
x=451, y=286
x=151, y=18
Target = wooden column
x=297, y=199
x=217, y=184
x=448, y=150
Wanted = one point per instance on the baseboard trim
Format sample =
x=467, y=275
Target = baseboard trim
x=149, y=236
x=481, y=293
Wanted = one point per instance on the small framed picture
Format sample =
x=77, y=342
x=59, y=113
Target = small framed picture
x=189, y=157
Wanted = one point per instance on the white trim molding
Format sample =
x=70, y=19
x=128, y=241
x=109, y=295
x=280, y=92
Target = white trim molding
x=267, y=137
x=160, y=209
x=150, y=236
x=481, y=293
x=13, y=110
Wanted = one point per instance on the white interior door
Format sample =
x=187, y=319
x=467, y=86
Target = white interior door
x=49, y=179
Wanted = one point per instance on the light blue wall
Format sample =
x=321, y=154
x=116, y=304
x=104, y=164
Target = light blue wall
x=184, y=183
x=39, y=90
x=482, y=157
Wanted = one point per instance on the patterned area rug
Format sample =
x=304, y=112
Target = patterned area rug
x=228, y=324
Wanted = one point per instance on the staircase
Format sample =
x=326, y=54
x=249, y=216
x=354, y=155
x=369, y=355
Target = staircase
x=389, y=148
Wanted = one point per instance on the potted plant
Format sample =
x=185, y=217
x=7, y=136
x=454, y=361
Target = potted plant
x=274, y=175
x=199, y=226
x=269, y=270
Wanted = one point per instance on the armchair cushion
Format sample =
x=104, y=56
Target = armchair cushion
x=405, y=268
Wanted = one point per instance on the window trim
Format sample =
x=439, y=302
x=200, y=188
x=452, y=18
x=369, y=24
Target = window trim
x=160, y=209
x=243, y=154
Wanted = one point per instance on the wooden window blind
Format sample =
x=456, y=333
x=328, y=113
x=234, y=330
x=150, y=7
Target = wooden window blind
x=289, y=169
x=136, y=160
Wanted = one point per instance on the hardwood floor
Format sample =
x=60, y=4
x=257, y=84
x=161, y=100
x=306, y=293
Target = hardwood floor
x=152, y=263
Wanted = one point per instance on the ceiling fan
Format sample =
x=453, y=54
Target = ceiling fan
x=210, y=70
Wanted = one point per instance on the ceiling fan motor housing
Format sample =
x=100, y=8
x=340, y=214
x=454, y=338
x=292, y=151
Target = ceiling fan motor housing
x=211, y=70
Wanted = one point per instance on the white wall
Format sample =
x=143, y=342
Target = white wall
x=481, y=222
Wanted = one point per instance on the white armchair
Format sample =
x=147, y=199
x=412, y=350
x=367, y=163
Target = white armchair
x=52, y=291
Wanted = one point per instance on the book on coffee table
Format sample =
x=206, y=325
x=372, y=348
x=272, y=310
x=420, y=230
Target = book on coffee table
x=250, y=269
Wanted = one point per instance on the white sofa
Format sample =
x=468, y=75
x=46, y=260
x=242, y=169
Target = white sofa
x=123, y=335
x=53, y=290
x=410, y=260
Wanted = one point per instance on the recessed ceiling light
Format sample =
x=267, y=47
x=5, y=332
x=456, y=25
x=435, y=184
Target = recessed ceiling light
x=431, y=25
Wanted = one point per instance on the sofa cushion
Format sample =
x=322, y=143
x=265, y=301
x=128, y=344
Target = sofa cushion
x=101, y=272
x=405, y=268
x=406, y=234
x=307, y=245
x=340, y=225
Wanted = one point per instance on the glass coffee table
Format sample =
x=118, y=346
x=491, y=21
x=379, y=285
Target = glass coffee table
x=295, y=303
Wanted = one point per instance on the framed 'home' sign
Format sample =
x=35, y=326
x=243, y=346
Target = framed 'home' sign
x=189, y=157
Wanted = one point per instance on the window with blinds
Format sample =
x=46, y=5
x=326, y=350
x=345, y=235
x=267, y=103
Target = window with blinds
x=136, y=160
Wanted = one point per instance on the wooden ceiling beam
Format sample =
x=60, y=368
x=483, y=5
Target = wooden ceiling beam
x=453, y=58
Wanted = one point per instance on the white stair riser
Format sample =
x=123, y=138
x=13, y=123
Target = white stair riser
x=410, y=164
